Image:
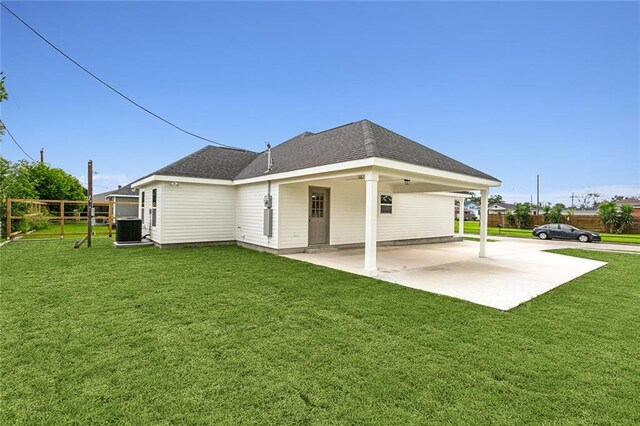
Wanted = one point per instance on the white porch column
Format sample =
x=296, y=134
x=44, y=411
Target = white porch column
x=484, y=220
x=371, y=223
x=461, y=217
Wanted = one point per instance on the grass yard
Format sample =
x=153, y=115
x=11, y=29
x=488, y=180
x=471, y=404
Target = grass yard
x=70, y=227
x=473, y=227
x=226, y=335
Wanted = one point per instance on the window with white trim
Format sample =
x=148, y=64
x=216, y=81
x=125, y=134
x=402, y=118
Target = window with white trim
x=154, y=199
x=386, y=204
x=142, y=206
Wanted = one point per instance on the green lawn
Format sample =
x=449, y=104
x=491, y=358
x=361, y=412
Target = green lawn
x=70, y=227
x=226, y=335
x=473, y=227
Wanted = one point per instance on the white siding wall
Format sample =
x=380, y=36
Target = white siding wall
x=417, y=216
x=204, y=213
x=347, y=212
x=198, y=213
x=154, y=231
x=124, y=210
x=249, y=216
x=414, y=215
x=293, y=229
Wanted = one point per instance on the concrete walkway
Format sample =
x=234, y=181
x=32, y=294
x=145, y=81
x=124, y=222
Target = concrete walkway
x=515, y=271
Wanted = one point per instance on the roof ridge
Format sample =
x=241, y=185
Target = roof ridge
x=426, y=147
x=335, y=128
x=183, y=159
x=368, y=139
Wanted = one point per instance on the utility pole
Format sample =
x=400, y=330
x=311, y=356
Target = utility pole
x=41, y=155
x=572, y=197
x=538, y=194
x=89, y=203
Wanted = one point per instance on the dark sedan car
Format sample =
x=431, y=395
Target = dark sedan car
x=564, y=232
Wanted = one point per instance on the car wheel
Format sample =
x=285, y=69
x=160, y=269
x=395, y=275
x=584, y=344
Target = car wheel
x=583, y=238
x=543, y=236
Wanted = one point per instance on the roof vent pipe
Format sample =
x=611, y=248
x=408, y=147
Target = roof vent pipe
x=269, y=159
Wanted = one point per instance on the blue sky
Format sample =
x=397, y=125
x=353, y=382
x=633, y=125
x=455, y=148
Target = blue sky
x=513, y=89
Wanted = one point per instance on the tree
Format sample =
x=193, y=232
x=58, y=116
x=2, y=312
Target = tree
x=3, y=91
x=495, y=199
x=55, y=184
x=3, y=97
x=553, y=214
x=34, y=180
x=521, y=216
x=475, y=199
x=618, y=198
x=589, y=201
x=615, y=219
x=625, y=218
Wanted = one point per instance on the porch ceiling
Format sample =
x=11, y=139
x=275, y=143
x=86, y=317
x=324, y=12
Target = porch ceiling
x=414, y=184
x=397, y=183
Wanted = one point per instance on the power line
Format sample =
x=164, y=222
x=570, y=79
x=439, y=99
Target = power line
x=4, y=126
x=111, y=87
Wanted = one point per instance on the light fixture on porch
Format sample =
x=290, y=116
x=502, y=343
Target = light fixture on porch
x=407, y=181
x=360, y=177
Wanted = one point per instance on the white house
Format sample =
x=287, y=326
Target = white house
x=501, y=208
x=124, y=199
x=357, y=184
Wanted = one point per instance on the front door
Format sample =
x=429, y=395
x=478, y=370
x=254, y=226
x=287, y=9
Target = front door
x=318, y=216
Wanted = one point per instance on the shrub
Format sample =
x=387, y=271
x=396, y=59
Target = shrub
x=553, y=214
x=615, y=219
x=27, y=224
x=522, y=216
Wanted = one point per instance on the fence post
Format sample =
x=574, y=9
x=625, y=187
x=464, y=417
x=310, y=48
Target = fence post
x=61, y=219
x=8, y=219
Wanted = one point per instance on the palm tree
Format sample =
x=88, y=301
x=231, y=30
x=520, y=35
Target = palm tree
x=607, y=213
x=625, y=218
x=616, y=219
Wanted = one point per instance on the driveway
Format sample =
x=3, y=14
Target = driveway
x=514, y=271
x=555, y=244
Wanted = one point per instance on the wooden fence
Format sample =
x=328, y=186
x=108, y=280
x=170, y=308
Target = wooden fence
x=104, y=212
x=589, y=223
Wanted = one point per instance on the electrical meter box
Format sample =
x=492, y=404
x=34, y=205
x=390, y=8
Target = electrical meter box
x=267, y=201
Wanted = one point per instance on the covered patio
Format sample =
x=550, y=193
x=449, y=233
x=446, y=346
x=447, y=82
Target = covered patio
x=417, y=181
x=345, y=208
x=514, y=273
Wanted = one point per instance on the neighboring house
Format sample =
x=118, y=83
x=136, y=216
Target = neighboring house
x=349, y=186
x=467, y=213
x=473, y=208
x=580, y=212
x=125, y=202
x=633, y=202
x=501, y=208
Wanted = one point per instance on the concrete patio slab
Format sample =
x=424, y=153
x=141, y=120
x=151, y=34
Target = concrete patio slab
x=513, y=273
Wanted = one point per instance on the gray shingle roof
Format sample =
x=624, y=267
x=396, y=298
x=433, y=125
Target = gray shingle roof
x=123, y=190
x=354, y=141
x=505, y=205
x=210, y=162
